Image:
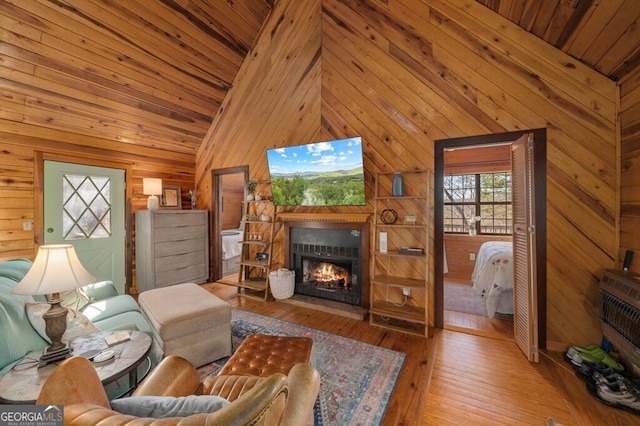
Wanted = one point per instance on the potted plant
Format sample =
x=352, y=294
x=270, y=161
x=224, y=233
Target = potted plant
x=251, y=186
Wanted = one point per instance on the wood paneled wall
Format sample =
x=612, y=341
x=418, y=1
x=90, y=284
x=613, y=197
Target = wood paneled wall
x=21, y=160
x=146, y=73
x=402, y=74
x=478, y=160
x=274, y=101
x=630, y=169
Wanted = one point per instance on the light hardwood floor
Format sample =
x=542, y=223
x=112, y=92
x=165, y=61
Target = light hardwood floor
x=455, y=378
x=478, y=325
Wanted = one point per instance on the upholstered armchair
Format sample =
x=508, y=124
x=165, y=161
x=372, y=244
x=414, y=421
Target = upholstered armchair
x=275, y=400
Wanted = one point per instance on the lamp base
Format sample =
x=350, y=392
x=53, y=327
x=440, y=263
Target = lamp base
x=55, y=320
x=153, y=203
x=53, y=356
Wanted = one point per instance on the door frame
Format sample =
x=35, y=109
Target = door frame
x=40, y=156
x=216, y=216
x=539, y=171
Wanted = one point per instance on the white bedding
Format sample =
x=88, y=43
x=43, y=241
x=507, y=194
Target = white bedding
x=492, y=276
x=231, y=246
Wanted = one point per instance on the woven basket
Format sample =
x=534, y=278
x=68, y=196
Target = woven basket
x=282, y=287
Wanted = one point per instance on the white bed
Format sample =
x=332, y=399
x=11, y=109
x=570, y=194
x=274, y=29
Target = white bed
x=492, y=276
x=231, y=249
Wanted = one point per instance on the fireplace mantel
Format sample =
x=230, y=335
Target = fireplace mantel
x=324, y=217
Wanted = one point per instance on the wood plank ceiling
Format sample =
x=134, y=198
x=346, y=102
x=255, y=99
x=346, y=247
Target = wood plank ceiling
x=153, y=73
x=603, y=34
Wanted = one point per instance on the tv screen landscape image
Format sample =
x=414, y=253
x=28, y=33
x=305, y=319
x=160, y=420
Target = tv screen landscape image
x=318, y=174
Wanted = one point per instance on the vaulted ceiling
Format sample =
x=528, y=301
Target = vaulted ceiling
x=154, y=72
x=603, y=34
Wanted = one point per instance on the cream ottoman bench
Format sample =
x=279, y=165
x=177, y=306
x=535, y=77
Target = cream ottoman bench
x=188, y=321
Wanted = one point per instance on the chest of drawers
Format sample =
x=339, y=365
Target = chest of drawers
x=172, y=247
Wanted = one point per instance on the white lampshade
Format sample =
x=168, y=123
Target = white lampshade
x=56, y=269
x=151, y=186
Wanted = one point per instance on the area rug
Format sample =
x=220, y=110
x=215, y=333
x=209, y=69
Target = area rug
x=356, y=379
x=463, y=298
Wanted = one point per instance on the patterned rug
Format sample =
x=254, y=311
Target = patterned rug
x=357, y=379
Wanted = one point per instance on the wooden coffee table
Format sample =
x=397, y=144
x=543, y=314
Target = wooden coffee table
x=22, y=384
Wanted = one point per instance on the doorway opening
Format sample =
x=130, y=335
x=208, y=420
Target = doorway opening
x=485, y=155
x=228, y=211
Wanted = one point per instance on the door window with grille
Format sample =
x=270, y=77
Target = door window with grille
x=86, y=207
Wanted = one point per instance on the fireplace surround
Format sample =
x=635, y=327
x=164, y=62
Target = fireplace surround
x=327, y=263
x=329, y=254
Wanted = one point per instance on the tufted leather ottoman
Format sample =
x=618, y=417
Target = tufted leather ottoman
x=188, y=321
x=263, y=355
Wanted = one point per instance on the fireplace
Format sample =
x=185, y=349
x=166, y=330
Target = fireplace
x=329, y=257
x=327, y=271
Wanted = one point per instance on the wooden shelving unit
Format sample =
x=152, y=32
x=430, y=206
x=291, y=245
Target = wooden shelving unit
x=393, y=272
x=253, y=275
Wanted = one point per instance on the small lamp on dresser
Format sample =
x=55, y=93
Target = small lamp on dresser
x=152, y=187
x=56, y=269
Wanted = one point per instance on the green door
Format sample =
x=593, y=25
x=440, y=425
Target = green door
x=85, y=206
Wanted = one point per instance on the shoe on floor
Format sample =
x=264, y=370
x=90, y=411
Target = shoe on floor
x=596, y=354
x=587, y=349
x=614, y=382
x=590, y=368
x=573, y=357
x=619, y=395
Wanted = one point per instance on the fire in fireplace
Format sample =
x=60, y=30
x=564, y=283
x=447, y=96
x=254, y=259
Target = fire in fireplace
x=325, y=275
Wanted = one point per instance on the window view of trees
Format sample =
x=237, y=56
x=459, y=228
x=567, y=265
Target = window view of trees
x=481, y=202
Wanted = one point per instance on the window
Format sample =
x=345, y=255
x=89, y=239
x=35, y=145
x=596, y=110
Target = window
x=86, y=207
x=479, y=200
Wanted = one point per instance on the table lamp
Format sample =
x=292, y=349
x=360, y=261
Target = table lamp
x=55, y=270
x=152, y=187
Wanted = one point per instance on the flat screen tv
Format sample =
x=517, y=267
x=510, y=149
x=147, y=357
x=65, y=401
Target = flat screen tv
x=318, y=174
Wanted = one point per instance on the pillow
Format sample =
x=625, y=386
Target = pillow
x=75, y=299
x=168, y=406
x=77, y=324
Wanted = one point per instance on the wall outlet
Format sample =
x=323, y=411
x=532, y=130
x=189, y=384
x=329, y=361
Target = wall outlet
x=406, y=291
x=472, y=256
